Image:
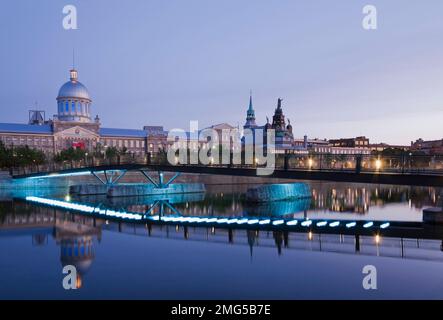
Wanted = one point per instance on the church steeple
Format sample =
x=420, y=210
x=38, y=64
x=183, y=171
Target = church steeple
x=250, y=115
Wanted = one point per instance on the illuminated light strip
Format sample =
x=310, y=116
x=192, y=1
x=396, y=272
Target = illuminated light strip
x=55, y=175
x=242, y=221
x=334, y=224
x=385, y=225
x=351, y=225
x=222, y=220
x=211, y=220
x=278, y=222
x=83, y=208
x=292, y=223
x=306, y=223
x=322, y=224
x=253, y=221
x=267, y=221
x=368, y=225
x=231, y=221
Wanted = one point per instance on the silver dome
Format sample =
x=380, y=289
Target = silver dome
x=73, y=89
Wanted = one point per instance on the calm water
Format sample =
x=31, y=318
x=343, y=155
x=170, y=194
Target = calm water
x=129, y=260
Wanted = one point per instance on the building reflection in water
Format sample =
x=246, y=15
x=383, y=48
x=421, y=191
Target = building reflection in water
x=76, y=234
x=76, y=241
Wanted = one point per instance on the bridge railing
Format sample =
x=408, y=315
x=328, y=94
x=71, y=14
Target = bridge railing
x=404, y=164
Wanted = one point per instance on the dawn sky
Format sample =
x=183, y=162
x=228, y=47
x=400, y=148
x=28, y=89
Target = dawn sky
x=168, y=62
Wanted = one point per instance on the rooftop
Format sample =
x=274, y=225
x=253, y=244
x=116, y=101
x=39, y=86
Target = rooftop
x=25, y=128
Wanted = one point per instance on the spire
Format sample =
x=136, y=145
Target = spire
x=250, y=101
x=250, y=114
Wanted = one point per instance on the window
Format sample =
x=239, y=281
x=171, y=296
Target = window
x=73, y=106
x=67, y=107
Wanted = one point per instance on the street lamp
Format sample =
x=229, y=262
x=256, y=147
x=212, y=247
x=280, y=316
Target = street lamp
x=378, y=164
x=310, y=163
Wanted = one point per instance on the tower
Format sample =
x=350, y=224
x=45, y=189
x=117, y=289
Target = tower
x=250, y=115
x=278, y=120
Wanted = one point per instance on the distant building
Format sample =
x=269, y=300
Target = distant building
x=284, y=138
x=359, y=142
x=432, y=147
x=379, y=147
x=286, y=143
x=73, y=126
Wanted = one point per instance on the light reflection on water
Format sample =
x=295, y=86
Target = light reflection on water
x=124, y=260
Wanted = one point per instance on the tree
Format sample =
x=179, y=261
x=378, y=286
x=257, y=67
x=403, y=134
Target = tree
x=111, y=153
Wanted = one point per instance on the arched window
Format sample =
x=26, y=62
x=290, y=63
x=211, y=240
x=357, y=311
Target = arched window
x=67, y=106
x=73, y=106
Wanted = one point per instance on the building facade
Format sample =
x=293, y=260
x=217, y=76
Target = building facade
x=73, y=126
x=429, y=147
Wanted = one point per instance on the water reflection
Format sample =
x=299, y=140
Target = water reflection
x=77, y=237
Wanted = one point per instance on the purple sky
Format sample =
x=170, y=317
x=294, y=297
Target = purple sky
x=168, y=62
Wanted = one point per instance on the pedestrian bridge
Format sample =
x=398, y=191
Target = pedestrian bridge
x=164, y=213
x=113, y=172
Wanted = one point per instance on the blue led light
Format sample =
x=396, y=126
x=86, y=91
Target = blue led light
x=334, y=224
x=56, y=175
x=278, y=222
x=385, y=225
x=222, y=220
x=306, y=223
x=292, y=223
x=253, y=221
x=232, y=221
x=351, y=224
x=84, y=208
x=368, y=225
x=322, y=223
x=242, y=221
x=263, y=222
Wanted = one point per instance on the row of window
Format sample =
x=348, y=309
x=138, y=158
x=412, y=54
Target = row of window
x=73, y=107
x=30, y=141
x=342, y=151
x=124, y=143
